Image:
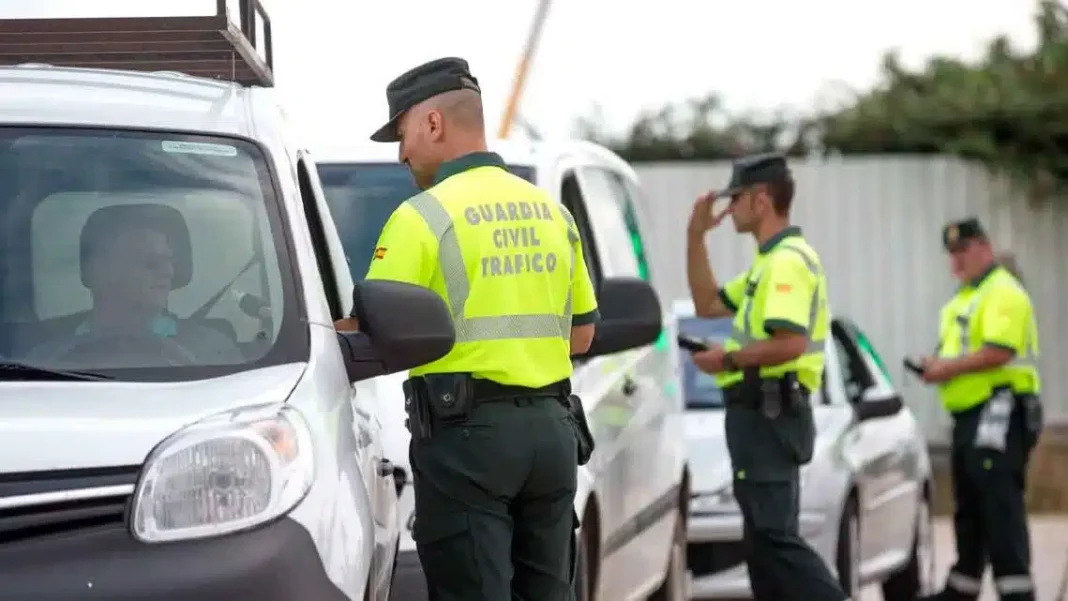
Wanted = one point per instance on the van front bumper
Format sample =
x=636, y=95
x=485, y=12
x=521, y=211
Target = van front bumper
x=277, y=562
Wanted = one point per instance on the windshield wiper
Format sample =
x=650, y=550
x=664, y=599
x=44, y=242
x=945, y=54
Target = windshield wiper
x=17, y=370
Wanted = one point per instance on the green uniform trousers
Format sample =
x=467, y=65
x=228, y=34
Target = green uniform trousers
x=766, y=454
x=494, y=503
x=990, y=517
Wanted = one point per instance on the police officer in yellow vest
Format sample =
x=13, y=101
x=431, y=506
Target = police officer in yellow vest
x=987, y=378
x=768, y=368
x=494, y=449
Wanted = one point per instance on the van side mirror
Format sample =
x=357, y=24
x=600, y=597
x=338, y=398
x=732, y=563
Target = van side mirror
x=873, y=405
x=401, y=326
x=630, y=316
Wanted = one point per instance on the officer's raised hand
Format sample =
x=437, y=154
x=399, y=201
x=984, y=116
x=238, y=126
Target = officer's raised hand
x=702, y=219
x=711, y=360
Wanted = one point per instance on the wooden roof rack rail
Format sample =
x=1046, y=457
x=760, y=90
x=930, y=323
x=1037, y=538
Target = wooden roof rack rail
x=212, y=46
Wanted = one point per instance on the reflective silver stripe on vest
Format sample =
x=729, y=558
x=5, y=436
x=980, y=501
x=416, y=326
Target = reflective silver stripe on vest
x=573, y=239
x=1027, y=359
x=458, y=287
x=745, y=335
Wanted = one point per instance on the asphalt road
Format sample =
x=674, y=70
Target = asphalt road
x=1049, y=550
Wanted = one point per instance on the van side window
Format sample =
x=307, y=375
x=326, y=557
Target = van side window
x=606, y=215
x=572, y=198
x=318, y=236
x=626, y=194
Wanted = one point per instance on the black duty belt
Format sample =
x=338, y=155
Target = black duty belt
x=752, y=389
x=487, y=390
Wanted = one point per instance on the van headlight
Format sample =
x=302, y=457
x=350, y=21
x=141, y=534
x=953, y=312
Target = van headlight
x=226, y=473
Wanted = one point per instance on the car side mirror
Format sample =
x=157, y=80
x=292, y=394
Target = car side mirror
x=873, y=405
x=630, y=316
x=401, y=326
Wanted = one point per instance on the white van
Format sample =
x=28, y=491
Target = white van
x=633, y=494
x=177, y=416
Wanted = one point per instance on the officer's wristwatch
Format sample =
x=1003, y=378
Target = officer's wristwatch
x=728, y=362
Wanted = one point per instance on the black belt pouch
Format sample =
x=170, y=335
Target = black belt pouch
x=451, y=396
x=418, y=409
x=583, y=436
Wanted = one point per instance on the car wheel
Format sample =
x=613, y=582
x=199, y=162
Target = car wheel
x=848, y=555
x=676, y=578
x=917, y=578
x=580, y=584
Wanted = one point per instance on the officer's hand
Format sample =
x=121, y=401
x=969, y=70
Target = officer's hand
x=935, y=370
x=702, y=219
x=349, y=324
x=710, y=361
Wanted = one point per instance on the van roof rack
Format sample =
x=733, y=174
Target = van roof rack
x=212, y=46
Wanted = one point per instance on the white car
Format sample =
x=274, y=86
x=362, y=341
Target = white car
x=865, y=496
x=177, y=416
x=632, y=496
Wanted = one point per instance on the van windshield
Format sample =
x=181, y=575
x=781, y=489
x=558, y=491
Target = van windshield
x=362, y=196
x=700, y=387
x=142, y=256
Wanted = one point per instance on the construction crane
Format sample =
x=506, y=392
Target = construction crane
x=521, y=70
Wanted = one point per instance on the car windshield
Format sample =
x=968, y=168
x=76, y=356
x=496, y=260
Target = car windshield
x=700, y=387
x=139, y=256
x=362, y=196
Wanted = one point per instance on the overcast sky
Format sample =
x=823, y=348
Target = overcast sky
x=335, y=57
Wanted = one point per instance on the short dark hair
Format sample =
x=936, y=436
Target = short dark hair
x=782, y=195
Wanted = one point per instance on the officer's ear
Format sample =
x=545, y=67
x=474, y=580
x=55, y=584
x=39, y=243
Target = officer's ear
x=761, y=199
x=435, y=125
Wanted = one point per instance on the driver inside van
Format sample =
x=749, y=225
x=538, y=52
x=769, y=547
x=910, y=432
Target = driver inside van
x=132, y=257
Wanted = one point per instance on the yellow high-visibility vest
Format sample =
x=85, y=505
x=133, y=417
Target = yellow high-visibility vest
x=507, y=260
x=784, y=289
x=996, y=310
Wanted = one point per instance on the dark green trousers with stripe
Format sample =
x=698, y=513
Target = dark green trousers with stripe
x=494, y=498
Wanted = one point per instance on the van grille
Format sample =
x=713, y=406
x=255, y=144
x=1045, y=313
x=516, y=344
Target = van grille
x=41, y=504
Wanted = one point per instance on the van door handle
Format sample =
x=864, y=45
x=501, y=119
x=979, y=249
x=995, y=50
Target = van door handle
x=385, y=468
x=629, y=386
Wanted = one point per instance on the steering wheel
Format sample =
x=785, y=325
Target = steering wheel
x=132, y=346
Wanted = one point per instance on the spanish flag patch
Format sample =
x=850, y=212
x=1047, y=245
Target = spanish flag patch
x=783, y=287
x=380, y=252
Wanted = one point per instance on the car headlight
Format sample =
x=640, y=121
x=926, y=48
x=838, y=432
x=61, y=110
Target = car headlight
x=226, y=473
x=712, y=502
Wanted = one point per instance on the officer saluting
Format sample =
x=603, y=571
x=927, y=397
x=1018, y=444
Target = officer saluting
x=986, y=373
x=767, y=369
x=494, y=447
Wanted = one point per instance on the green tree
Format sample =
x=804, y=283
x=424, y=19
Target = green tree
x=698, y=129
x=1008, y=110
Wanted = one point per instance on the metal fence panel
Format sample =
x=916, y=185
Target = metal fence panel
x=876, y=222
